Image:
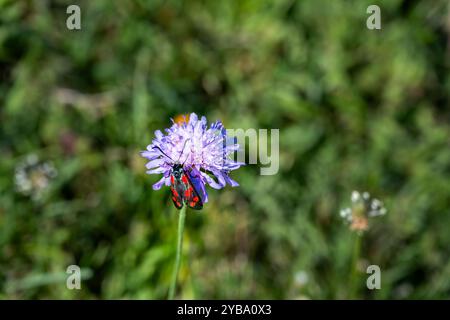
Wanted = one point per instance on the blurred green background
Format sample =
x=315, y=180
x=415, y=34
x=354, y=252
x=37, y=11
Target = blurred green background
x=357, y=109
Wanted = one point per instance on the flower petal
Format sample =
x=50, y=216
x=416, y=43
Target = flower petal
x=156, y=170
x=155, y=163
x=158, y=134
x=193, y=118
x=211, y=181
x=220, y=176
x=230, y=181
x=159, y=184
x=232, y=165
x=149, y=155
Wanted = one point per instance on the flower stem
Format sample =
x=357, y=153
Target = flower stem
x=354, y=272
x=173, y=285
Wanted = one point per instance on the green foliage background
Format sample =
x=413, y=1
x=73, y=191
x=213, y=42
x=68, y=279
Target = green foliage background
x=357, y=110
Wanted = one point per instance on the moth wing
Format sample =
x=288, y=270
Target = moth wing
x=192, y=196
x=177, y=195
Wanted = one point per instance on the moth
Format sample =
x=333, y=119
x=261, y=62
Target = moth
x=183, y=184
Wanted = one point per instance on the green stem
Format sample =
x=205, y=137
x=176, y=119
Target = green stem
x=173, y=285
x=354, y=272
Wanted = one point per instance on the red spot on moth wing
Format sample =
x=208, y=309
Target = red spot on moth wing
x=195, y=199
x=195, y=205
x=172, y=180
x=174, y=192
x=177, y=200
x=188, y=192
x=177, y=203
x=184, y=179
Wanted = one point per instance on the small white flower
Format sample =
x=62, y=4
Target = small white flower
x=301, y=278
x=32, y=177
x=362, y=208
x=355, y=196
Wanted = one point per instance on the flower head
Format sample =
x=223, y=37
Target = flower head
x=33, y=176
x=203, y=151
x=363, y=207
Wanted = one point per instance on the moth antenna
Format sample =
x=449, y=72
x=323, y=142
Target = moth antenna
x=184, y=147
x=156, y=147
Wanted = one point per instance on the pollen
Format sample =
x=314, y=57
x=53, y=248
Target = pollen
x=181, y=118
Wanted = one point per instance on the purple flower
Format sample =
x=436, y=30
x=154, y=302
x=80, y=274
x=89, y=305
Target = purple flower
x=204, y=153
